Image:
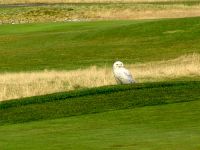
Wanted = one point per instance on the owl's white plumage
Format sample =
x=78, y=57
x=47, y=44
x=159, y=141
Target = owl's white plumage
x=122, y=75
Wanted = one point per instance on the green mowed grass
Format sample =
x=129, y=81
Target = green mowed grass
x=75, y=45
x=172, y=126
x=140, y=116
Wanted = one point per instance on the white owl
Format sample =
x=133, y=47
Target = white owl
x=122, y=75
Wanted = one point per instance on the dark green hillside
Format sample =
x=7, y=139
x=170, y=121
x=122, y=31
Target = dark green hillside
x=74, y=45
x=97, y=100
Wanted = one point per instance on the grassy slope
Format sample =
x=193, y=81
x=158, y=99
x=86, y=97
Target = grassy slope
x=75, y=45
x=97, y=100
x=172, y=126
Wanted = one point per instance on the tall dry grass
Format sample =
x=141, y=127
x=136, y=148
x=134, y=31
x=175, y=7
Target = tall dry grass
x=24, y=84
x=83, y=12
x=184, y=66
x=147, y=14
x=82, y=1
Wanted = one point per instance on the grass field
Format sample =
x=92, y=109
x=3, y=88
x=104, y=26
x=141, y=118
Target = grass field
x=141, y=116
x=72, y=59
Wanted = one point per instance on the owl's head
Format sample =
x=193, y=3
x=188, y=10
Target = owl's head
x=118, y=64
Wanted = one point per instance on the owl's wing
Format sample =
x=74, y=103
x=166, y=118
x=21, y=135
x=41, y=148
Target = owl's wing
x=127, y=75
x=124, y=76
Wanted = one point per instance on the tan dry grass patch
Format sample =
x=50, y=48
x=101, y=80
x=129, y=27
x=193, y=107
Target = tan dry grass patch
x=184, y=66
x=103, y=14
x=60, y=13
x=82, y=1
x=25, y=84
x=147, y=14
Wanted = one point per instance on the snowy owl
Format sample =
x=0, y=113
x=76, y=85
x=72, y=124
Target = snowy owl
x=122, y=75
